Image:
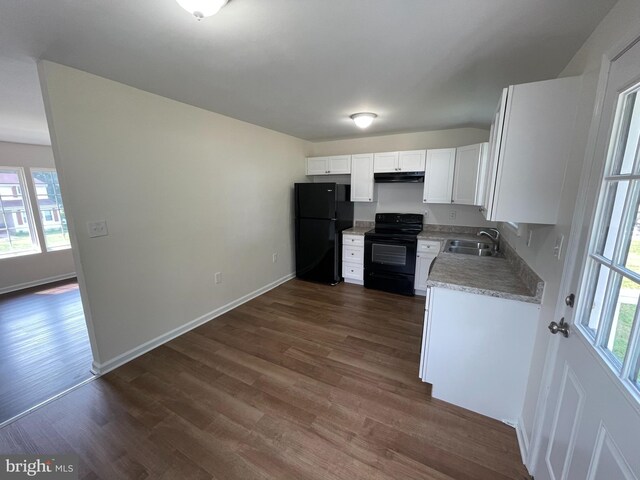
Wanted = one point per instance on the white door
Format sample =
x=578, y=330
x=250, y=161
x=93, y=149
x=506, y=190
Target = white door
x=412, y=161
x=591, y=426
x=465, y=177
x=362, y=180
x=385, y=162
x=438, y=175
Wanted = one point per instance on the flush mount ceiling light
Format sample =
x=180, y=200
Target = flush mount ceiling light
x=202, y=8
x=364, y=119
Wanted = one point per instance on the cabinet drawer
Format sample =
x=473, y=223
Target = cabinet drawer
x=355, y=240
x=353, y=254
x=352, y=270
x=428, y=246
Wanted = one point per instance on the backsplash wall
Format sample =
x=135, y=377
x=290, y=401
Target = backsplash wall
x=407, y=198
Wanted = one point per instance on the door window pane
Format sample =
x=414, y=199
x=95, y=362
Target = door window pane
x=17, y=234
x=612, y=212
x=624, y=154
x=54, y=222
x=597, y=290
x=623, y=309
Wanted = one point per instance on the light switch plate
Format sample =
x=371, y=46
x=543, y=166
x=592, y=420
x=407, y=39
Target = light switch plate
x=97, y=229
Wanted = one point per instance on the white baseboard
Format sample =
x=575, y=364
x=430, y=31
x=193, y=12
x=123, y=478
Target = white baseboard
x=37, y=283
x=102, y=368
x=523, y=442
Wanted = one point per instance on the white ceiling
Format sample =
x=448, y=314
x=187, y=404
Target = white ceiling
x=297, y=66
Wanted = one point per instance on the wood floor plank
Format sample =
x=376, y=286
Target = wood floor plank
x=304, y=382
x=44, y=346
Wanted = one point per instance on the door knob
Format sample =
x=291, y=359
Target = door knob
x=561, y=327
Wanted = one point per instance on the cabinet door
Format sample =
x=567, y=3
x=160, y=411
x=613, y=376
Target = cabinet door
x=340, y=164
x=317, y=166
x=492, y=159
x=385, y=162
x=481, y=184
x=362, y=182
x=438, y=181
x=412, y=161
x=465, y=177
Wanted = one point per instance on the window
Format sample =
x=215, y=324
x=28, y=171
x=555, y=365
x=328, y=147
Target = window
x=17, y=235
x=611, y=284
x=54, y=223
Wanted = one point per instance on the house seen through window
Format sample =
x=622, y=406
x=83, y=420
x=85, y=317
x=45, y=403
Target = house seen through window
x=54, y=222
x=17, y=232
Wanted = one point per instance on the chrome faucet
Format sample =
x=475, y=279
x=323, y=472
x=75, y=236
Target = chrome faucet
x=495, y=238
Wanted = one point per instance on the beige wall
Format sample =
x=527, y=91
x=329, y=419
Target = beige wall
x=615, y=26
x=185, y=193
x=29, y=270
x=407, y=198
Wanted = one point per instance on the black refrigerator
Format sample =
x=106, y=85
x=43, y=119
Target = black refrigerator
x=323, y=211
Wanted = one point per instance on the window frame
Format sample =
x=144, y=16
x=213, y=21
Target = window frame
x=37, y=207
x=23, y=192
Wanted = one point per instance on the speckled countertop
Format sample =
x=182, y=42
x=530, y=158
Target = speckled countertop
x=493, y=276
x=356, y=231
x=502, y=277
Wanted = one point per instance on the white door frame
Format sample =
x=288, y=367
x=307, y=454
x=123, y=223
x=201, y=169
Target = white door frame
x=571, y=261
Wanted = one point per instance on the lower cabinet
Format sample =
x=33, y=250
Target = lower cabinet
x=353, y=258
x=426, y=254
x=476, y=351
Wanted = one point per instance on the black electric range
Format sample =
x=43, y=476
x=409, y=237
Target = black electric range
x=390, y=252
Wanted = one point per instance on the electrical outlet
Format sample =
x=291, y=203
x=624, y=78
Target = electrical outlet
x=426, y=214
x=97, y=229
x=275, y=258
x=557, y=248
x=452, y=214
x=218, y=277
x=529, y=238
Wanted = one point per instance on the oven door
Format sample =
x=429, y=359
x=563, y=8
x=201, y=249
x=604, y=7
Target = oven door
x=386, y=254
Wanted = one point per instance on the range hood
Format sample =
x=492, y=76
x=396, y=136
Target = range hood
x=399, y=177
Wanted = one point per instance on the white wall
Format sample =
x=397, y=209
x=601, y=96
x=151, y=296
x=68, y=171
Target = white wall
x=29, y=270
x=407, y=198
x=185, y=192
x=586, y=62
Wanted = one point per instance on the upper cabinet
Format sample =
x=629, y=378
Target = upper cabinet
x=438, y=181
x=468, y=176
x=528, y=151
x=456, y=175
x=335, y=165
x=362, y=181
x=408, y=161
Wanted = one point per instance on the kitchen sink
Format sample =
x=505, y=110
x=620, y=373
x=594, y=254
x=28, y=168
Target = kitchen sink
x=468, y=244
x=469, y=247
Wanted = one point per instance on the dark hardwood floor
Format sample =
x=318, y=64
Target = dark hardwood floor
x=44, y=347
x=304, y=382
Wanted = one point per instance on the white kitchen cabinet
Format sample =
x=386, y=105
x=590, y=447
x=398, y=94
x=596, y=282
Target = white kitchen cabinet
x=530, y=143
x=362, y=181
x=468, y=174
x=335, y=165
x=412, y=161
x=427, y=251
x=477, y=351
x=353, y=258
x=407, y=161
x=456, y=175
x=438, y=181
